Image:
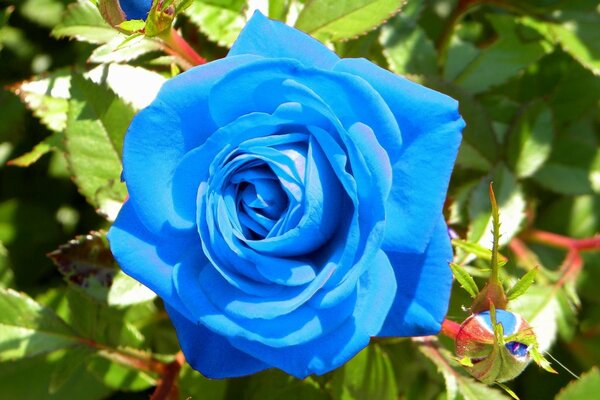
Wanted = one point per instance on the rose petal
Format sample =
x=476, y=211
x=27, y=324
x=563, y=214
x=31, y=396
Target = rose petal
x=283, y=42
x=424, y=283
x=375, y=295
x=431, y=127
x=349, y=97
x=211, y=353
x=296, y=326
x=158, y=138
x=146, y=257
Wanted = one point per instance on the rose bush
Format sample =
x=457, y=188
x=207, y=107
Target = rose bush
x=287, y=205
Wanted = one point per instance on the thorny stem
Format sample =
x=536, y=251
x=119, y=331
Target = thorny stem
x=494, y=277
x=176, y=45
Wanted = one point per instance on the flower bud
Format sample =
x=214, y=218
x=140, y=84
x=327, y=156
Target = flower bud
x=490, y=360
x=116, y=11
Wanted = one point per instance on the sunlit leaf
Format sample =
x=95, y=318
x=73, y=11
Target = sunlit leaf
x=522, y=285
x=581, y=389
x=345, y=19
x=530, y=140
x=96, y=124
x=126, y=291
x=508, y=55
x=220, y=21
x=28, y=329
x=83, y=22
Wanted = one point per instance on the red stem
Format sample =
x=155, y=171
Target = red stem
x=141, y=363
x=167, y=385
x=562, y=242
x=176, y=45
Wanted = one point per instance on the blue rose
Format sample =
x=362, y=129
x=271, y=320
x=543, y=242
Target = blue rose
x=287, y=205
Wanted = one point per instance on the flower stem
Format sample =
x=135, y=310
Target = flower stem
x=132, y=359
x=562, y=242
x=167, y=385
x=176, y=45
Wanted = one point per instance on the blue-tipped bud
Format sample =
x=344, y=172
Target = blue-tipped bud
x=136, y=9
x=493, y=360
x=117, y=11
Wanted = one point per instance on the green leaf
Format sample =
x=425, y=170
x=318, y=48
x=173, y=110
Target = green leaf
x=278, y=9
x=522, y=285
x=344, y=19
x=43, y=12
x=574, y=164
x=406, y=46
x=47, y=98
x=508, y=390
x=582, y=389
x=119, y=377
x=135, y=85
x=122, y=50
x=51, y=143
x=530, y=140
x=478, y=250
x=83, y=22
x=88, y=263
x=96, y=125
x=193, y=385
x=31, y=378
x=97, y=321
x=577, y=33
x=369, y=375
x=67, y=366
x=511, y=203
x=540, y=360
x=221, y=22
x=6, y=273
x=274, y=385
x=126, y=291
x=28, y=329
x=517, y=47
x=466, y=281
x=479, y=147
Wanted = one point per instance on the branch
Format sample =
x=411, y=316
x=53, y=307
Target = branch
x=562, y=242
x=167, y=385
x=176, y=45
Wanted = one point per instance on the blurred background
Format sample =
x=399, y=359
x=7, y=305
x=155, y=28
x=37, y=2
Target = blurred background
x=527, y=75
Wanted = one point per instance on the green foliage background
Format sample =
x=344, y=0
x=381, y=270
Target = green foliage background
x=527, y=75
